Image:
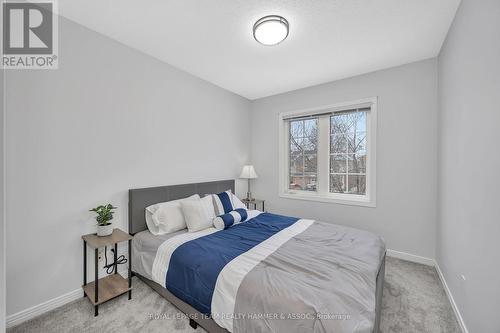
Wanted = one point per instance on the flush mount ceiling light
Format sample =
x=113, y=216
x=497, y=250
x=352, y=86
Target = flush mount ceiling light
x=271, y=30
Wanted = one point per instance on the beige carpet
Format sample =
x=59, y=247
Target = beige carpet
x=414, y=301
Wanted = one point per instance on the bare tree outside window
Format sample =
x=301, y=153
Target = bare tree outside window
x=348, y=152
x=303, y=154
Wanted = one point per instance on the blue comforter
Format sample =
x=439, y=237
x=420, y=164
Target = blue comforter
x=195, y=265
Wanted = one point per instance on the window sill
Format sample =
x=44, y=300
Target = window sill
x=342, y=200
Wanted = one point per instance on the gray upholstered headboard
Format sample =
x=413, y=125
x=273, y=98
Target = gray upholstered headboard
x=139, y=199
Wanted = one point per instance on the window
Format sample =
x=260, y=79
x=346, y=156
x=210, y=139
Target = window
x=328, y=153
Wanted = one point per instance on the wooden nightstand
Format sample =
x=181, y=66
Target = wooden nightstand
x=111, y=286
x=254, y=203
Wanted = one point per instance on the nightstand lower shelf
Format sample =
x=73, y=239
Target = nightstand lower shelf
x=109, y=287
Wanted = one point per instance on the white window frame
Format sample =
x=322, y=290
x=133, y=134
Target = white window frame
x=322, y=194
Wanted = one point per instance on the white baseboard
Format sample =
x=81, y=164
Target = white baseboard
x=24, y=315
x=32, y=312
x=450, y=298
x=410, y=257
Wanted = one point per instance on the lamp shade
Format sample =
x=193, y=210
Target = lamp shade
x=248, y=172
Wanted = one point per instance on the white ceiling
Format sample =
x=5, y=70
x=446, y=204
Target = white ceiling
x=328, y=40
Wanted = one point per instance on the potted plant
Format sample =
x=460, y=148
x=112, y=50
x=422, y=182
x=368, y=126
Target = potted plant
x=103, y=218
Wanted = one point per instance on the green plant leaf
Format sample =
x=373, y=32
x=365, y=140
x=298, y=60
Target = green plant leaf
x=104, y=213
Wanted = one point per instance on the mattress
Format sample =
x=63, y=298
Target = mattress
x=271, y=265
x=144, y=248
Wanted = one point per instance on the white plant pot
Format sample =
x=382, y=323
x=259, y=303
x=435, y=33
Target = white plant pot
x=104, y=230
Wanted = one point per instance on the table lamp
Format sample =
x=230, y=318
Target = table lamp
x=248, y=173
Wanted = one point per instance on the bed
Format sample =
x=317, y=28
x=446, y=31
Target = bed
x=250, y=277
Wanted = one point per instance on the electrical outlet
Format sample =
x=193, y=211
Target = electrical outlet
x=100, y=254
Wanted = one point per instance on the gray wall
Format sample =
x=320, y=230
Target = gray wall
x=406, y=154
x=109, y=119
x=468, y=237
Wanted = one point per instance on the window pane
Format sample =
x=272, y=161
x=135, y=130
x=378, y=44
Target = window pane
x=296, y=163
x=357, y=184
x=338, y=163
x=311, y=127
x=296, y=144
x=359, y=121
x=357, y=142
x=339, y=123
x=310, y=145
x=338, y=144
x=310, y=164
x=297, y=129
x=354, y=121
x=348, y=122
x=310, y=183
x=302, y=154
x=296, y=182
x=357, y=163
x=351, y=142
x=337, y=183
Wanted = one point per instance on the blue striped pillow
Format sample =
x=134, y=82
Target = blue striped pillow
x=228, y=220
x=223, y=203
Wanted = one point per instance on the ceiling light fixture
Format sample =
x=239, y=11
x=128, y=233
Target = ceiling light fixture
x=271, y=30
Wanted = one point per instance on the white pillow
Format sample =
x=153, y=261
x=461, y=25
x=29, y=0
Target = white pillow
x=198, y=213
x=166, y=217
x=237, y=202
